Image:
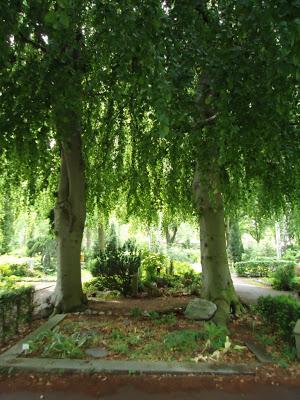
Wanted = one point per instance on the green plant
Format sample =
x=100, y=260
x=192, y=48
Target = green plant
x=153, y=265
x=16, y=306
x=182, y=340
x=16, y=269
x=57, y=345
x=118, y=266
x=260, y=267
x=169, y=319
x=119, y=347
x=136, y=312
x=215, y=334
x=283, y=277
x=281, y=313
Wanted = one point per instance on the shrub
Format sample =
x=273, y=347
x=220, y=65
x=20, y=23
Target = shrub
x=184, y=255
x=17, y=269
x=16, y=305
x=259, y=268
x=283, y=277
x=281, y=312
x=153, y=265
x=118, y=266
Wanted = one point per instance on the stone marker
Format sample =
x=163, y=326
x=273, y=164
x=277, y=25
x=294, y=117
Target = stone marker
x=259, y=351
x=297, y=337
x=200, y=309
x=96, y=352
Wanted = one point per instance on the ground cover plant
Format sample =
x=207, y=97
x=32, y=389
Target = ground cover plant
x=139, y=336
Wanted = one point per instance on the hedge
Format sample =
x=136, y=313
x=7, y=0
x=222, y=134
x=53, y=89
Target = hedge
x=282, y=313
x=17, y=269
x=16, y=308
x=259, y=268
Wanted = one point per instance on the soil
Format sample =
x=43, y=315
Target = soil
x=143, y=338
x=101, y=385
x=123, y=306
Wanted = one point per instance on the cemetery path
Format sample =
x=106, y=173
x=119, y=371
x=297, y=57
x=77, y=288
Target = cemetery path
x=248, y=290
x=206, y=388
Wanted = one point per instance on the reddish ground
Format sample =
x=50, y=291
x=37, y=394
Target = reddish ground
x=97, y=385
x=123, y=306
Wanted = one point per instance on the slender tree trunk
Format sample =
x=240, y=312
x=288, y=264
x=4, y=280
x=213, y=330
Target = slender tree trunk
x=101, y=237
x=278, y=240
x=88, y=238
x=70, y=216
x=217, y=282
x=170, y=237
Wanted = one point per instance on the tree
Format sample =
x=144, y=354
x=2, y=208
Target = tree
x=232, y=69
x=67, y=68
x=234, y=241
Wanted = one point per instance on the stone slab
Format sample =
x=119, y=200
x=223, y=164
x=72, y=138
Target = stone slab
x=297, y=337
x=48, y=325
x=121, y=367
x=259, y=351
x=96, y=352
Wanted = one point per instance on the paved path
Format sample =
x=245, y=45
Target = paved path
x=130, y=392
x=247, y=289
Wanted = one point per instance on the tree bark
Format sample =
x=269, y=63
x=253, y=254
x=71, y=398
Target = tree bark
x=217, y=282
x=101, y=237
x=170, y=237
x=70, y=216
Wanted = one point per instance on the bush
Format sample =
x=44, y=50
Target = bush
x=261, y=267
x=184, y=255
x=283, y=277
x=281, y=312
x=117, y=266
x=101, y=284
x=153, y=265
x=15, y=269
x=16, y=305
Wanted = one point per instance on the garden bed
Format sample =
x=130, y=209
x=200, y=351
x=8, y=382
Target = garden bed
x=151, y=336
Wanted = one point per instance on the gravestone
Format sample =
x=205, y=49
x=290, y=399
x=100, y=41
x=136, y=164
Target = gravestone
x=200, y=310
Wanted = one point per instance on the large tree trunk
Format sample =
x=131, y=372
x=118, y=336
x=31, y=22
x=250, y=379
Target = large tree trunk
x=70, y=216
x=217, y=282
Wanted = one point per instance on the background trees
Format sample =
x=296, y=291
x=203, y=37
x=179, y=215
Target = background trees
x=185, y=106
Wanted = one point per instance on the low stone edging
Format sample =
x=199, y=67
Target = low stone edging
x=11, y=361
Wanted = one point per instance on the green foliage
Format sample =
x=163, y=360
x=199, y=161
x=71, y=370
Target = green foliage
x=283, y=277
x=215, y=334
x=16, y=306
x=57, y=345
x=184, y=254
x=16, y=269
x=235, y=245
x=136, y=312
x=281, y=313
x=45, y=246
x=262, y=267
x=182, y=340
x=153, y=265
x=118, y=266
x=6, y=223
